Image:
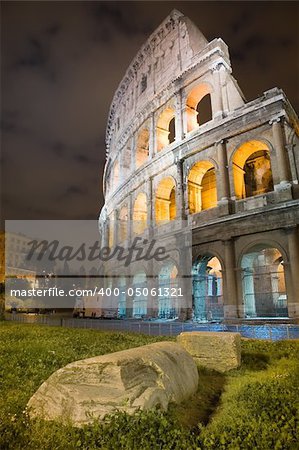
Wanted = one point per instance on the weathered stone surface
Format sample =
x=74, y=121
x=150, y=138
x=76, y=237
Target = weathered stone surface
x=142, y=377
x=214, y=350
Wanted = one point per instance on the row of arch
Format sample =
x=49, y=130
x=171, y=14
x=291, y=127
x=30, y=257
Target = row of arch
x=262, y=282
x=252, y=173
x=198, y=111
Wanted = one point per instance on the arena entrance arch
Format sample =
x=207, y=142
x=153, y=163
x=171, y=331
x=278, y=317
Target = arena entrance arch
x=207, y=288
x=263, y=283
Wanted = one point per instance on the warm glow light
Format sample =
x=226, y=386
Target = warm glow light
x=140, y=214
x=202, y=190
x=165, y=206
x=193, y=99
x=142, y=148
x=162, y=130
x=252, y=169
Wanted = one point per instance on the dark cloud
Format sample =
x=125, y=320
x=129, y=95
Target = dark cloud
x=110, y=17
x=34, y=55
x=84, y=159
x=58, y=148
x=76, y=190
x=53, y=30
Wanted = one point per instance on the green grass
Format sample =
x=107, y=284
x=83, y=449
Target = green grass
x=254, y=407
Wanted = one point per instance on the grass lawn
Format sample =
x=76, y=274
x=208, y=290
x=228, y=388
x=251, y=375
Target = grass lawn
x=254, y=407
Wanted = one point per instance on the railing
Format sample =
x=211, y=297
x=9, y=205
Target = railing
x=158, y=328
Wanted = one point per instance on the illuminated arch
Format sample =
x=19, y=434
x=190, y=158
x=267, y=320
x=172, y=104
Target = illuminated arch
x=142, y=147
x=140, y=214
x=202, y=190
x=252, y=169
x=198, y=106
x=165, y=128
x=207, y=285
x=263, y=282
x=165, y=206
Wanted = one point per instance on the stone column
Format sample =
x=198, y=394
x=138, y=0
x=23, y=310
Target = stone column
x=223, y=82
x=115, y=227
x=223, y=191
x=281, y=153
x=180, y=191
x=152, y=136
x=133, y=152
x=130, y=219
x=223, y=188
x=230, y=296
x=293, y=290
x=216, y=96
x=179, y=129
x=149, y=190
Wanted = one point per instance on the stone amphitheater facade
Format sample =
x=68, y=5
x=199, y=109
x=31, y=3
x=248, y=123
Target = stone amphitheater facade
x=185, y=149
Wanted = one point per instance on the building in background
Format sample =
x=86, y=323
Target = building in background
x=184, y=147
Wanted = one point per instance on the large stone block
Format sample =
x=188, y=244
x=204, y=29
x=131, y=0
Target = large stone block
x=143, y=377
x=214, y=350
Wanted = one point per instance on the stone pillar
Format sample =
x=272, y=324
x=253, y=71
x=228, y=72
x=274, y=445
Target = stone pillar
x=223, y=83
x=180, y=191
x=223, y=191
x=133, y=153
x=149, y=190
x=179, y=129
x=223, y=187
x=121, y=175
x=115, y=227
x=230, y=296
x=216, y=96
x=293, y=290
x=130, y=219
x=184, y=115
x=281, y=153
x=152, y=136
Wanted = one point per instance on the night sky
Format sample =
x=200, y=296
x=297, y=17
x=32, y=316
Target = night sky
x=61, y=63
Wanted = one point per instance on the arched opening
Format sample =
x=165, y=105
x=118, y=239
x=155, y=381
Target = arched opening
x=123, y=224
x=142, y=147
x=165, y=206
x=140, y=295
x=252, y=170
x=263, y=283
x=202, y=189
x=198, y=107
x=168, y=303
x=140, y=214
x=207, y=289
x=171, y=129
x=165, y=130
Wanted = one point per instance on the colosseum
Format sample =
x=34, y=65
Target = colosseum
x=185, y=151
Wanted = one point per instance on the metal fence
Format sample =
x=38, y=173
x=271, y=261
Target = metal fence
x=171, y=328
